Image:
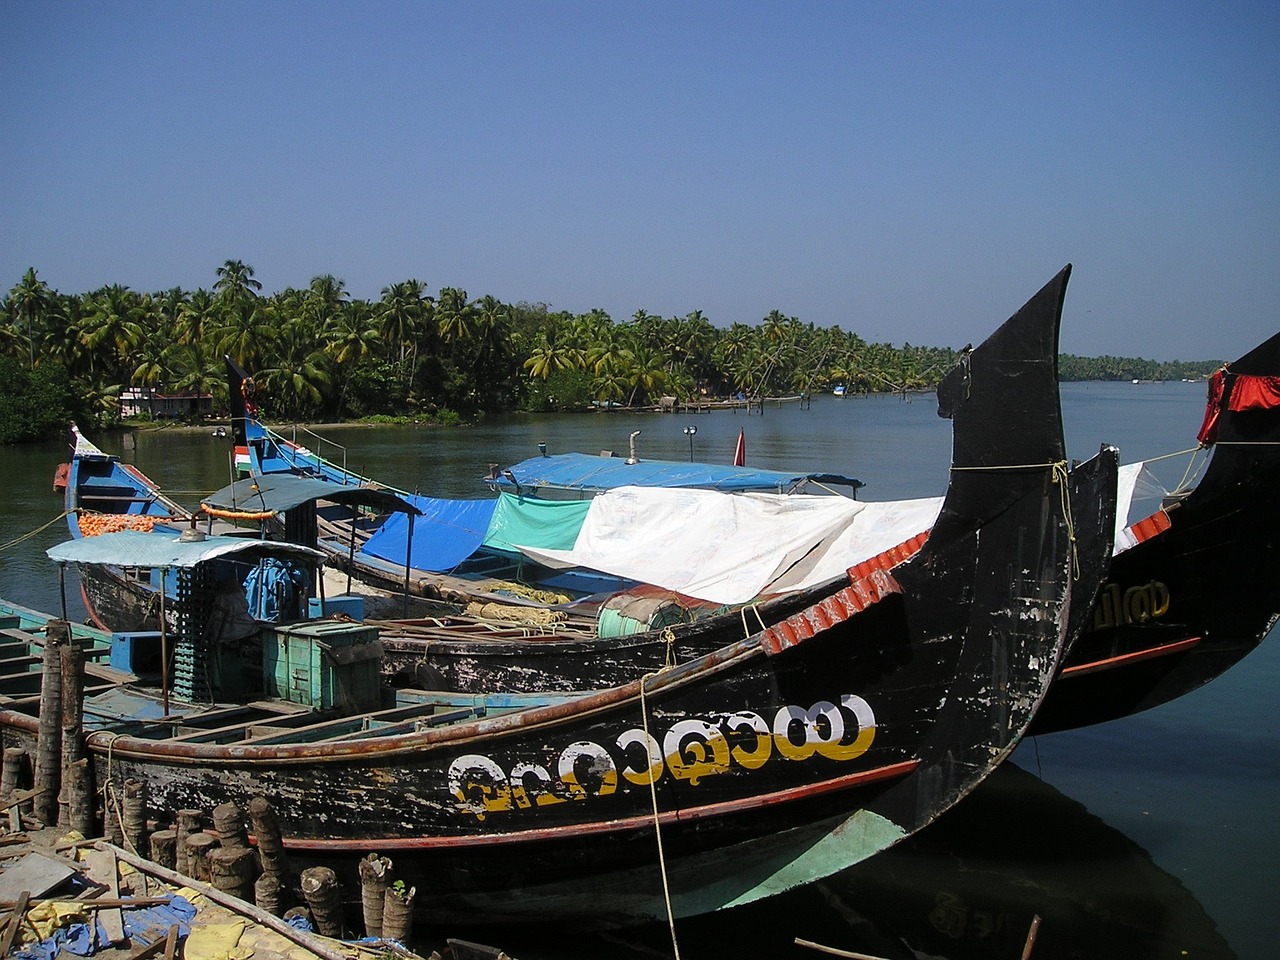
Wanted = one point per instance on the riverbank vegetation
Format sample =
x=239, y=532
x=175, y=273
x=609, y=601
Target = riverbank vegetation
x=317, y=352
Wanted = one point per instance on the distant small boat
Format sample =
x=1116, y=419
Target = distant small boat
x=839, y=390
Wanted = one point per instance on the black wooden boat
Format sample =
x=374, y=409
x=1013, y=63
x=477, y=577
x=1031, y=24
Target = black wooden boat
x=786, y=754
x=1197, y=590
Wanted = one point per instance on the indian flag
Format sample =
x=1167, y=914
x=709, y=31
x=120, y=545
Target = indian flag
x=242, y=460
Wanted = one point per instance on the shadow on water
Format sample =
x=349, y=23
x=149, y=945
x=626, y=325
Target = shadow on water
x=969, y=886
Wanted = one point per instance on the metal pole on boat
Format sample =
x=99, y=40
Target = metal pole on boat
x=164, y=648
x=62, y=587
x=408, y=549
x=351, y=546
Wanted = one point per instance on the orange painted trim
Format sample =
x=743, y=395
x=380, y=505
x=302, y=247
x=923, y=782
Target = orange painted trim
x=1125, y=659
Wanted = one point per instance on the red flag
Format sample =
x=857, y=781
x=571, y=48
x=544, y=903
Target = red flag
x=740, y=451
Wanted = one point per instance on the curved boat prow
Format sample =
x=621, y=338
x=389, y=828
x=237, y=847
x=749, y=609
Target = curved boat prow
x=1016, y=429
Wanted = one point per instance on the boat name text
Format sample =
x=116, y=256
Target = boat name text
x=690, y=750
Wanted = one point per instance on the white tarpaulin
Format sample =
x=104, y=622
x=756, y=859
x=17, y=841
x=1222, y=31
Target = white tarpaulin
x=730, y=548
x=1134, y=484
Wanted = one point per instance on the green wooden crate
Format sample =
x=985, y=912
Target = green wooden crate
x=326, y=665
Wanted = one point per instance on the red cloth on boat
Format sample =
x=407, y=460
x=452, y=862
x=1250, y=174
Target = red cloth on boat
x=1254, y=393
x=1212, y=410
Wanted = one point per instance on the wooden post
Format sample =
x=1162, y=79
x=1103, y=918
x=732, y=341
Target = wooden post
x=266, y=830
x=164, y=848
x=198, y=846
x=11, y=774
x=375, y=874
x=188, y=823
x=320, y=890
x=232, y=870
x=228, y=821
x=76, y=806
x=77, y=787
x=135, y=814
x=49, y=744
x=397, y=912
x=268, y=894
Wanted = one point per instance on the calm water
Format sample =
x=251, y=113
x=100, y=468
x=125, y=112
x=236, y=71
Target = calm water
x=1155, y=836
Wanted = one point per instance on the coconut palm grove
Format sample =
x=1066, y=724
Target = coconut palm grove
x=319, y=353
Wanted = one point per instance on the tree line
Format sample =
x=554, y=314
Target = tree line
x=319, y=353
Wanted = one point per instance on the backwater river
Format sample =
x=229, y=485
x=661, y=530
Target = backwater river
x=1149, y=837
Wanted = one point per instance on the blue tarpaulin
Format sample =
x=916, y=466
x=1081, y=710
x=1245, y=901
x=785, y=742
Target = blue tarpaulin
x=583, y=472
x=447, y=533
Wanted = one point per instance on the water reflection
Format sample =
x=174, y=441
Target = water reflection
x=969, y=886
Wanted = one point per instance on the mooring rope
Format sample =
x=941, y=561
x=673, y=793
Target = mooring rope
x=110, y=796
x=40, y=529
x=657, y=822
x=754, y=608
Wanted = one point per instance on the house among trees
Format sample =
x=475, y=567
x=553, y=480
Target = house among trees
x=137, y=401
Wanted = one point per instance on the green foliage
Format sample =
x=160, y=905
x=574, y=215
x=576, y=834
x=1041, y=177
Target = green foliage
x=562, y=390
x=318, y=353
x=34, y=404
x=1131, y=368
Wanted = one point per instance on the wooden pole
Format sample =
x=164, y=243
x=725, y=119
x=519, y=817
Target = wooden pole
x=49, y=743
x=188, y=823
x=375, y=874
x=324, y=897
x=76, y=792
x=266, y=831
x=1031, y=937
x=303, y=939
x=228, y=821
x=134, y=824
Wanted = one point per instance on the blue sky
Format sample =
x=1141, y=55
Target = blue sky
x=910, y=171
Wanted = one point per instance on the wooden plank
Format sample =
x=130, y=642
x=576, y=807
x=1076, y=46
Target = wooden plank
x=22, y=796
x=15, y=921
x=100, y=867
x=35, y=874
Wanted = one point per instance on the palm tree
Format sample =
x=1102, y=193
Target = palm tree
x=245, y=330
x=548, y=357
x=298, y=372
x=402, y=314
x=235, y=281
x=455, y=315
x=28, y=303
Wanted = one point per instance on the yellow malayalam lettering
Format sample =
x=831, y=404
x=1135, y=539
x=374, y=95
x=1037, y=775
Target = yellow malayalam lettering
x=1118, y=606
x=690, y=750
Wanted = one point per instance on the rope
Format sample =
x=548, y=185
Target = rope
x=657, y=823
x=754, y=608
x=110, y=796
x=1060, y=477
x=237, y=514
x=669, y=639
x=27, y=536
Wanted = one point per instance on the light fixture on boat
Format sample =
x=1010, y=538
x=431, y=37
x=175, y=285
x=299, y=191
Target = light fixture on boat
x=690, y=431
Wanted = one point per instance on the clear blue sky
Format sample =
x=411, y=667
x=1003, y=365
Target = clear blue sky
x=910, y=171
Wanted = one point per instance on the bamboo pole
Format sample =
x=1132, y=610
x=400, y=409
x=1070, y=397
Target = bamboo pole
x=303, y=939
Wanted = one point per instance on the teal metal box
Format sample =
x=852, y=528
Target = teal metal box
x=325, y=665
x=347, y=604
